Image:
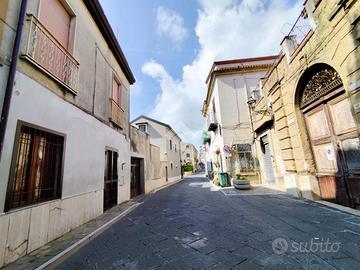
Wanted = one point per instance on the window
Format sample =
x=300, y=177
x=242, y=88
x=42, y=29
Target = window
x=36, y=169
x=170, y=144
x=116, y=93
x=175, y=147
x=246, y=158
x=187, y=146
x=187, y=155
x=213, y=105
x=171, y=166
x=142, y=127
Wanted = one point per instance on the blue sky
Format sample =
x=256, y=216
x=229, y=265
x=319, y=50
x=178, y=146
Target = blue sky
x=171, y=45
x=138, y=37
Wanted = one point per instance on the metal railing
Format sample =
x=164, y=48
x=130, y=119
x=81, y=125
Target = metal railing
x=300, y=29
x=117, y=114
x=44, y=50
x=298, y=33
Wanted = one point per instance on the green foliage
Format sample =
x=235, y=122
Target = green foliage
x=239, y=177
x=188, y=167
x=216, y=181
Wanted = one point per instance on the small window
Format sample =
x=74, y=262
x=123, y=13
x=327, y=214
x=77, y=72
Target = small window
x=37, y=168
x=175, y=147
x=187, y=155
x=170, y=144
x=116, y=93
x=142, y=127
x=171, y=166
x=187, y=146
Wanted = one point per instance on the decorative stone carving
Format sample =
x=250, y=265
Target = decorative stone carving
x=320, y=84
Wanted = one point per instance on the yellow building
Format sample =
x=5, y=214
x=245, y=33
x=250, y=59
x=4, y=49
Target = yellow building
x=306, y=123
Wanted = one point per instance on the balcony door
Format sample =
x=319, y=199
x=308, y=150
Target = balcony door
x=56, y=20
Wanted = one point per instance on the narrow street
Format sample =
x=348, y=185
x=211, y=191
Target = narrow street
x=189, y=226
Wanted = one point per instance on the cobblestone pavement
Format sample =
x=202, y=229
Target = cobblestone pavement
x=188, y=226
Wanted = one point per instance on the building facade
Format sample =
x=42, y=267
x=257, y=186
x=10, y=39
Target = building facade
x=308, y=141
x=228, y=136
x=164, y=137
x=147, y=173
x=189, y=153
x=66, y=153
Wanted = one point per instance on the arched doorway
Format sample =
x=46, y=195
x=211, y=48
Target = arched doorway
x=332, y=133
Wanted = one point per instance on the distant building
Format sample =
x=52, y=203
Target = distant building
x=228, y=135
x=189, y=154
x=308, y=138
x=163, y=136
x=65, y=156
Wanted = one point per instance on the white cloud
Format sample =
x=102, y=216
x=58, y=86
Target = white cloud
x=225, y=29
x=171, y=24
x=136, y=88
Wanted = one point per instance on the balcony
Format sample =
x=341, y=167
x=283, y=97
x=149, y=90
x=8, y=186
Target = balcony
x=46, y=53
x=297, y=37
x=212, y=122
x=117, y=114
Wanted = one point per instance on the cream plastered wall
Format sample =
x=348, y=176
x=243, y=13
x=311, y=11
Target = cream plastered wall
x=336, y=43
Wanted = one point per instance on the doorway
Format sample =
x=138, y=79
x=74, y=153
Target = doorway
x=110, y=179
x=137, y=179
x=333, y=137
x=268, y=164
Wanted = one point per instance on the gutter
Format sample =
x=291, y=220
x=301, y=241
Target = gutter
x=11, y=75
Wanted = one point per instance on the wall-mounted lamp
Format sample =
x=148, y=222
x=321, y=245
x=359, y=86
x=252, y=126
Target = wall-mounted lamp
x=251, y=103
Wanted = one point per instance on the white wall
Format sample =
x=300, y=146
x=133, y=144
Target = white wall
x=85, y=139
x=160, y=136
x=231, y=93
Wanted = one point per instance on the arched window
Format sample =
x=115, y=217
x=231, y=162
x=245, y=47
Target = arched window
x=317, y=82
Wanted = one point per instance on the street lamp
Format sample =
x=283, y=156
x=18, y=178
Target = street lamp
x=251, y=102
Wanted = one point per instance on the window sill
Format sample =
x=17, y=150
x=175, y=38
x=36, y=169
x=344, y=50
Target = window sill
x=26, y=207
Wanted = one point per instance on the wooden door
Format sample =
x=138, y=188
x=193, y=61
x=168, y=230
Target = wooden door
x=135, y=186
x=335, y=146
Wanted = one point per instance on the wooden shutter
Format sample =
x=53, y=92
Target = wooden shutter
x=56, y=19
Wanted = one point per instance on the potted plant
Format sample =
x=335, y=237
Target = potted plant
x=240, y=182
x=216, y=181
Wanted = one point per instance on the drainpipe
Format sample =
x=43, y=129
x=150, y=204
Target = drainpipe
x=11, y=76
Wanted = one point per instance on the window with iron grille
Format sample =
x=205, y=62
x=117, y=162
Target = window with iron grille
x=245, y=158
x=36, y=169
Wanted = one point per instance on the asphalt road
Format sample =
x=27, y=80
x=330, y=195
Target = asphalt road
x=188, y=226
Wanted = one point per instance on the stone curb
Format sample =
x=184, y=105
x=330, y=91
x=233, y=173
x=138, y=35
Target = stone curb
x=340, y=207
x=55, y=260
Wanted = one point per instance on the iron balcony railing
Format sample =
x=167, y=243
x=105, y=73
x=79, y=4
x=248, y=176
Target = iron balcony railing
x=299, y=34
x=117, y=114
x=46, y=52
x=300, y=29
